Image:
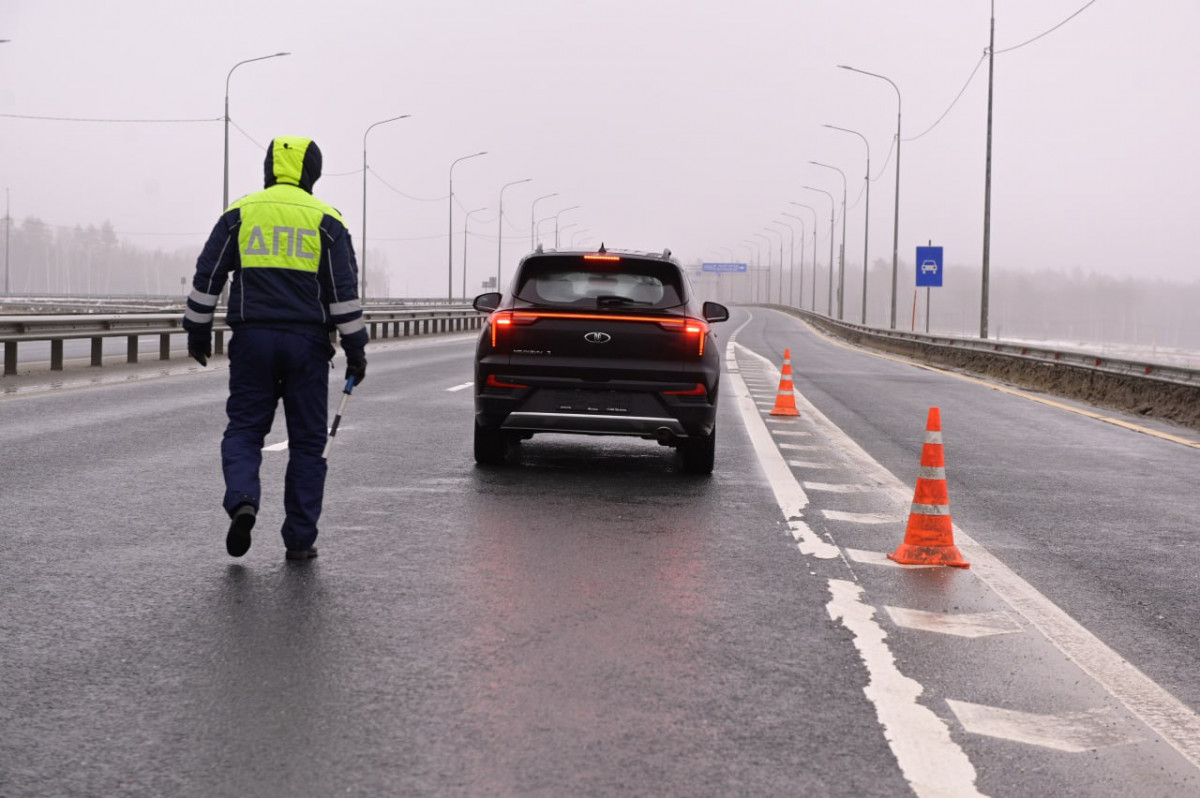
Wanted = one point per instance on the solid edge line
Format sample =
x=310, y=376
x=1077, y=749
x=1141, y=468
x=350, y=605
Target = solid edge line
x=788, y=494
x=1166, y=715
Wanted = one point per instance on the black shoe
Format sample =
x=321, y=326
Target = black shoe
x=301, y=554
x=237, y=541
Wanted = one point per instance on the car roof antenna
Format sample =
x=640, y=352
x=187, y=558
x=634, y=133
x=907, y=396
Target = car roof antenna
x=602, y=250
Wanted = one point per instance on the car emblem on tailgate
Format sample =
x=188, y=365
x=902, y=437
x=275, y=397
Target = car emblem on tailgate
x=597, y=338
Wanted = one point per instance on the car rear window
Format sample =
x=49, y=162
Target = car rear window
x=575, y=281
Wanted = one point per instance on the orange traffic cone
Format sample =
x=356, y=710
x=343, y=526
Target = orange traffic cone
x=929, y=539
x=785, y=399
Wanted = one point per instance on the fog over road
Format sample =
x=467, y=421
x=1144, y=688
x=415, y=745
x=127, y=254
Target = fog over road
x=588, y=619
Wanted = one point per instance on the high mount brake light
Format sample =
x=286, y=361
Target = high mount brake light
x=609, y=258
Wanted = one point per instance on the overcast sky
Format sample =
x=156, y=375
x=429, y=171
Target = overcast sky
x=686, y=124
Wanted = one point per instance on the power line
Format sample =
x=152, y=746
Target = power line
x=984, y=57
x=1046, y=33
x=954, y=102
x=120, y=121
x=401, y=193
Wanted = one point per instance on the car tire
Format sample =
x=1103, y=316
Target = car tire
x=699, y=454
x=491, y=446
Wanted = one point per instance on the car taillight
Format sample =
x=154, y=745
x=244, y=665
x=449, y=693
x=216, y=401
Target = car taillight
x=506, y=318
x=685, y=326
x=699, y=390
x=689, y=327
x=492, y=382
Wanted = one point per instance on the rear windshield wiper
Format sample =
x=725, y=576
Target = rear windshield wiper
x=613, y=300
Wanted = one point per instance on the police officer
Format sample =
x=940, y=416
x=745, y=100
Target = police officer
x=294, y=280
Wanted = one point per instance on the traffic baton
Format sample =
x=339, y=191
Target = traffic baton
x=337, y=419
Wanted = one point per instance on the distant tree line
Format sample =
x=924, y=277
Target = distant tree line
x=89, y=261
x=44, y=259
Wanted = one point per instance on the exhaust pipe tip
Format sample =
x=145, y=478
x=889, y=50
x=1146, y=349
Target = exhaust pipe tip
x=664, y=436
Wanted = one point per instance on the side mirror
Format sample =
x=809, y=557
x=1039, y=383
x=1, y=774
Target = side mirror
x=715, y=311
x=486, y=303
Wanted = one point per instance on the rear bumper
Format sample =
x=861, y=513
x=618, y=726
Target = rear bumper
x=679, y=420
x=593, y=424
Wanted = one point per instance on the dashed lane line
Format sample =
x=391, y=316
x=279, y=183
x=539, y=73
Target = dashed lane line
x=1166, y=715
x=929, y=759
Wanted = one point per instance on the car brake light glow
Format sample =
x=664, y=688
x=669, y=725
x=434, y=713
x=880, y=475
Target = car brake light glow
x=699, y=390
x=687, y=325
x=492, y=382
x=609, y=258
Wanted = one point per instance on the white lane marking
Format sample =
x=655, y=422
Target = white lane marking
x=276, y=447
x=783, y=419
x=1158, y=709
x=462, y=387
x=799, y=433
x=809, y=464
x=1073, y=732
x=1164, y=713
x=930, y=760
x=788, y=494
x=879, y=558
x=958, y=624
x=831, y=487
x=862, y=518
x=800, y=447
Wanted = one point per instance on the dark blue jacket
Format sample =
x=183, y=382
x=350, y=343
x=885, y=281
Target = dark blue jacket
x=290, y=255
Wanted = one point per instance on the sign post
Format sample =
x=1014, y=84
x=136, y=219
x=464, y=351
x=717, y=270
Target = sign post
x=929, y=274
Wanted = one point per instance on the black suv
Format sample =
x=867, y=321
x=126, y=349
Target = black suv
x=598, y=343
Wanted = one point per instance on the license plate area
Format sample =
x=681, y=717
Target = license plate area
x=607, y=403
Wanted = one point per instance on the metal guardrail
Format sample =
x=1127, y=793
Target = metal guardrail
x=14, y=330
x=1161, y=372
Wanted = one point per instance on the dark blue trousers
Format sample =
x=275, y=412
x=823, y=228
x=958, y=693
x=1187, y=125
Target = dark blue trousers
x=266, y=365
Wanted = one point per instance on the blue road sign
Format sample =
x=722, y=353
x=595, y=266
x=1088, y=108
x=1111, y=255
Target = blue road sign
x=929, y=267
x=723, y=268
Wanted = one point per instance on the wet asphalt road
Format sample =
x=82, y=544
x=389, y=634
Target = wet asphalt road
x=587, y=621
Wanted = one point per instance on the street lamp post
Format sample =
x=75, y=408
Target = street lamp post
x=362, y=294
x=225, y=191
x=791, y=261
x=500, y=229
x=564, y=229
x=450, y=231
x=866, y=214
x=832, y=208
x=576, y=234
x=533, y=225
x=800, y=297
x=896, y=220
x=842, y=265
x=813, y=211
x=780, y=234
x=560, y=213
x=765, y=237
x=753, y=245
x=7, y=230
x=466, y=224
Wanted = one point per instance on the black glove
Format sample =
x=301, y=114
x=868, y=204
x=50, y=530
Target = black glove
x=356, y=367
x=200, y=347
